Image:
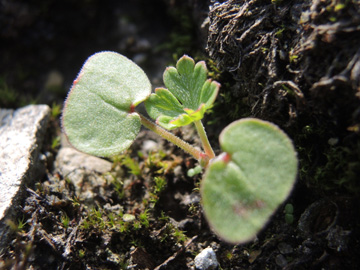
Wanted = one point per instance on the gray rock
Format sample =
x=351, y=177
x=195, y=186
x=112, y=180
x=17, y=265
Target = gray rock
x=206, y=260
x=21, y=135
x=83, y=170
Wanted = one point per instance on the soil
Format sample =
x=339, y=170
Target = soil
x=294, y=63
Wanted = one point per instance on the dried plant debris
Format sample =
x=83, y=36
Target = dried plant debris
x=290, y=56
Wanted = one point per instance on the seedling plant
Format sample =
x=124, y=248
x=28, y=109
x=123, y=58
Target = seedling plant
x=241, y=188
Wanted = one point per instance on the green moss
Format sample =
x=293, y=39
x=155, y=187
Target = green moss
x=56, y=142
x=340, y=170
x=9, y=96
x=65, y=220
x=213, y=71
x=328, y=165
x=56, y=110
x=17, y=226
x=183, y=37
x=144, y=218
x=172, y=233
x=127, y=161
x=179, y=235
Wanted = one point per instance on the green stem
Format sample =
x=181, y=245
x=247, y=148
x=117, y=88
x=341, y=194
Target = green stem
x=197, y=154
x=204, y=139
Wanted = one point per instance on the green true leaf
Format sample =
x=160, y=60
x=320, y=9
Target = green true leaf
x=98, y=116
x=243, y=187
x=187, y=98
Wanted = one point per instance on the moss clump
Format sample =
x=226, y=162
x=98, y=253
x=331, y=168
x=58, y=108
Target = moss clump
x=340, y=169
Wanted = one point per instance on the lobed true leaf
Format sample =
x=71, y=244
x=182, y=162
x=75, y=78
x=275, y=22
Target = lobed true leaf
x=187, y=97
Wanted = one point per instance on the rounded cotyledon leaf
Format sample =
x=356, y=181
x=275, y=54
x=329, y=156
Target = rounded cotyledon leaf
x=98, y=116
x=245, y=185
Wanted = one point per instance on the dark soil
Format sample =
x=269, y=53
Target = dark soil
x=295, y=63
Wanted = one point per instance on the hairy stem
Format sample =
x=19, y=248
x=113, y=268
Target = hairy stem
x=197, y=154
x=204, y=139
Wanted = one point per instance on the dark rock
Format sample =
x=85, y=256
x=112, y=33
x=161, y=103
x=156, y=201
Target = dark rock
x=285, y=248
x=281, y=260
x=289, y=58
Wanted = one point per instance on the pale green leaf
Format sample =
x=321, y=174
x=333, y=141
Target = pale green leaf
x=245, y=185
x=98, y=116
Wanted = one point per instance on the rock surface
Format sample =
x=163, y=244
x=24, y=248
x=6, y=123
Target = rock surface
x=21, y=135
x=84, y=171
x=206, y=260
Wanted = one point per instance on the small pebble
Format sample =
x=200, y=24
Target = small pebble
x=178, y=171
x=206, y=260
x=128, y=217
x=140, y=58
x=149, y=145
x=281, y=260
x=54, y=79
x=333, y=141
x=285, y=248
